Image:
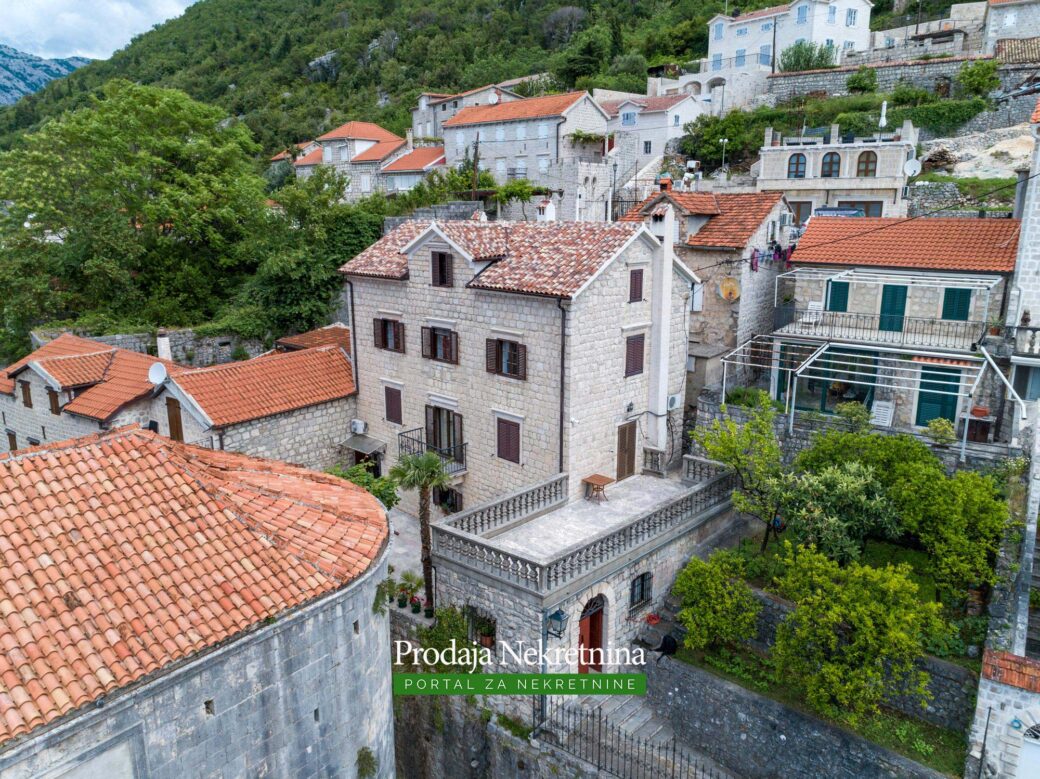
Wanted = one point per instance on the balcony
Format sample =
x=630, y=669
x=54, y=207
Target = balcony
x=414, y=442
x=1024, y=340
x=889, y=329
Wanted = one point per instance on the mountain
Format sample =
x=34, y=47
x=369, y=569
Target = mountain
x=22, y=74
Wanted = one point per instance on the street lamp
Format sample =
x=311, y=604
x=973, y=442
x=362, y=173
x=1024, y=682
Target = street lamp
x=724, y=141
x=556, y=623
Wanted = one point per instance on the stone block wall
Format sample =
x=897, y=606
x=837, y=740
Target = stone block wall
x=187, y=347
x=38, y=422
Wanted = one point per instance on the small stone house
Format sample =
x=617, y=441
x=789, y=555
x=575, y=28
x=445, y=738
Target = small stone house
x=518, y=351
x=655, y=121
x=188, y=612
x=358, y=150
x=404, y=172
x=435, y=108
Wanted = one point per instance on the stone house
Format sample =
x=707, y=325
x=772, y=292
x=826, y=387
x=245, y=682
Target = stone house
x=959, y=33
x=1010, y=19
x=829, y=169
x=213, y=639
x=655, y=121
x=734, y=244
x=357, y=150
x=404, y=172
x=434, y=108
x=519, y=351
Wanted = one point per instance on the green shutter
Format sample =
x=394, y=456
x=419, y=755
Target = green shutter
x=893, y=307
x=838, y=296
x=956, y=304
x=930, y=403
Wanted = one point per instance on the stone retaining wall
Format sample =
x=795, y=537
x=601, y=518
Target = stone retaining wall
x=187, y=347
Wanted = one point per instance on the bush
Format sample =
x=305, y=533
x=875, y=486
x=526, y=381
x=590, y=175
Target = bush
x=863, y=80
x=806, y=56
x=751, y=397
x=718, y=607
x=384, y=489
x=941, y=431
x=855, y=415
x=978, y=78
x=906, y=94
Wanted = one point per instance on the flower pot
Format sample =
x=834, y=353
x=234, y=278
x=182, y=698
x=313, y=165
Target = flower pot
x=416, y=608
x=980, y=412
x=402, y=601
x=428, y=612
x=487, y=641
x=994, y=330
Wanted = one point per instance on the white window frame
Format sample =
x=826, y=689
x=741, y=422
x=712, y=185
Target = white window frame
x=628, y=118
x=543, y=164
x=740, y=59
x=697, y=297
x=719, y=30
x=676, y=120
x=521, y=131
x=509, y=416
x=648, y=147
x=848, y=45
x=543, y=130
x=802, y=14
x=832, y=14
x=850, y=17
x=741, y=31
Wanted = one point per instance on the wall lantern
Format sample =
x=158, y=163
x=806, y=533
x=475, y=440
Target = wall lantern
x=556, y=623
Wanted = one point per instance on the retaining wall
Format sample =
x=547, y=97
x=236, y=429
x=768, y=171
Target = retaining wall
x=187, y=347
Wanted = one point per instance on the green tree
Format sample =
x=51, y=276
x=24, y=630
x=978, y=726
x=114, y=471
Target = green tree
x=382, y=487
x=855, y=635
x=805, y=55
x=585, y=56
x=863, y=80
x=518, y=190
x=718, y=607
x=703, y=138
x=978, y=78
x=422, y=472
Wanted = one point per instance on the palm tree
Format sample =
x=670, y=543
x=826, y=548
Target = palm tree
x=423, y=472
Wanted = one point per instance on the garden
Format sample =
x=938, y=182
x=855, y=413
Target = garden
x=879, y=558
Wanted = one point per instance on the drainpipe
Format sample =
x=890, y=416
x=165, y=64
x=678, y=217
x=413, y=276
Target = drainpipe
x=1020, y=193
x=660, y=331
x=563, y=374
x=353, y=337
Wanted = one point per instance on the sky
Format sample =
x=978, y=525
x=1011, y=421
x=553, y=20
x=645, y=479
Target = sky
x=84, y=28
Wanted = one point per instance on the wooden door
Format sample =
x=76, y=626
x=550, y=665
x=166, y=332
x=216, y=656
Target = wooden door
x=584, y=638
x=626, y=450
x=173, y=413
x=590, y=635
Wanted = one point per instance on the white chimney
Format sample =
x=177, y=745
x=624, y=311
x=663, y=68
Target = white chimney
x=660, y=332
x=546, y=211
x=162, y=346
x=409, y=140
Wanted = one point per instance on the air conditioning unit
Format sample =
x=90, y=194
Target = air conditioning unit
x=358, y=426
x=674, y=401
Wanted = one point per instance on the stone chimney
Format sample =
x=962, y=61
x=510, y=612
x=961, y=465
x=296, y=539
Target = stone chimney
x=1020, y=192
x=162, y=346
x=660, y=333
x=546, y=211
x=664, y=181
x=409, y=141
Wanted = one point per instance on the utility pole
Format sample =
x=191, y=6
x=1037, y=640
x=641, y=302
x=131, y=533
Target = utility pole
x=476, y=165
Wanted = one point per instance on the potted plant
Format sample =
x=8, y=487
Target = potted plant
x=994, y=325
x=485, y=630
x=416, y=604
x=411, y=583
x=980, y=412
x=428, y=610
x=653, y=618
x=402, y=597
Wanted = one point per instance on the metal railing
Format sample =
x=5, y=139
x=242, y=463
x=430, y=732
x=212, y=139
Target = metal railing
x=523, y=504
x=879, y=328
x=414, y=442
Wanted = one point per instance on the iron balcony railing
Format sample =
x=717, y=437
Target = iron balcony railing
x=414, y=442
x=890, y=329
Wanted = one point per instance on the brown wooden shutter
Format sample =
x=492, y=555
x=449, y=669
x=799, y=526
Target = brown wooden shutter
x=380, y=340
x=392, y=397
x=491, y=350
x=427, y=342
x=454, y=348
x=435, y=269
x=460, y=453
x=449, y=271
x=509, y=440
x=399, y=336
x=173, y=413
x=26, y=394
x=634, y=354
x=431, y=436
x=55, y=402
x=635, y=285
x=521, y=360
x=12, y=441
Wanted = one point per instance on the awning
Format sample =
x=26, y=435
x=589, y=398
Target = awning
x=364, y=444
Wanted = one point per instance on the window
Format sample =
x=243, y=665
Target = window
x=642, y=591
x=1010, y=18
x=543, y=129
x=719, y=27
x=440, y=344
x=12, y=440
x=628, y=118
x=675, y=120
x=802, y=210
x=55, y=401
x=831, y=168
x=460, y=138
x=767, y=27
x=697, y=297
x=866, y=164
x=33, y=441
x=741, y=31
x=448, y=499
x=850, y=17
x=500, y=133
x=392, y=402
x=1027, y=382
x=366, y=182
x=838, y=296
x=765, y=54
x=634, y=347
x=870, y=208
x=500, y=168
x=521, y=167
x=832, y=14
x=635, y=285
x=521, y=132
x=508, y=439
x=829, y=43
x=956, y=304
x=444, y=432
x=389, y=335
x=441, y=269
x=848, y=45
x=543, y=164
x=716, y=62
x=647, y=146
x=796, y=166
x=741, y=58
x=506, y=358
x=889, y=42
x=26, y=394
x=803, y=14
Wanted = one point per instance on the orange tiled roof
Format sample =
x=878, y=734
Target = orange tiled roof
x=646, y=104
x=529, y=108
x=181, y=550
x=253, y=389
x=417, y=160
x=378, y=152
x=538, y=258
x=364, y=130
x=927, y=244
x=1011, y=669
x=733, y=218
x=65, y=344
x=313, y=157
x=442, y=98
x=336, y=334
x=284, y=154
x=1005, y=2
x=776, y=9
x=77, y=370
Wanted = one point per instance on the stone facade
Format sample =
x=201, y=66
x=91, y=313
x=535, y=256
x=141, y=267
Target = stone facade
x=433, y=110
x=1011, y=20
x=187, y=347
x=299, y=697
x=37, y=424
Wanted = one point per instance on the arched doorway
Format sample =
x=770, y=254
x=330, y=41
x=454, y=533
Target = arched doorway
x=590, y=635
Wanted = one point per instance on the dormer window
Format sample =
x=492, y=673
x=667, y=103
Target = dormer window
x=441, y=269
x=628, y=118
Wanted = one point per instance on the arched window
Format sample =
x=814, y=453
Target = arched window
x=866, y=165
x=796, y=166
x=831, y=165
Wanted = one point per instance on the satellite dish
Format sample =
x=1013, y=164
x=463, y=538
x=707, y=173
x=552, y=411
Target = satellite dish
x=157, y=373
x=493, y=98
x=912, y=167
x=729, y=289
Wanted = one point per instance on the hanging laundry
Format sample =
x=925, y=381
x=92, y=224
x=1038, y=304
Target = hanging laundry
x=754, y=260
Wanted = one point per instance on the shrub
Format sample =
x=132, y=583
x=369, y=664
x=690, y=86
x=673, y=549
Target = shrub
x=941, y=431
x=751, y=397
x=805, y=55
x=718, y=607
x=978, y=78
x=863, y=80
x=450, y=625
x=383, y=488
x=855, y=415
x=367, y=763
x=906, y=94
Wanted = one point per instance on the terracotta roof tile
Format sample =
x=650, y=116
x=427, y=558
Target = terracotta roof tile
x=284, y=154
x=1014, y=51
x=77, y=370
x=538, y=258
x=252, y=389
x=365, y=130
x=181, y=550
x=311, y=158
x=417, y=160
x=336, y=334
x=646, y=104
x=378, y=152
x=733, y=218
x=529, y=108
x=928, y=244
x=65, y=344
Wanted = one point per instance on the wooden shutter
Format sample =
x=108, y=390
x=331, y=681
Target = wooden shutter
x=635, y=285
x=634, y=354
x=435, y=269
x=26, y=394
x=431, y=435
x=427, y=342
x=448, y=279
x=453, y=355
x=392, y=398
x=956, y=304
x=399, y=336
x=521, y=361
x=12, y=441
x=380, y=340
x=838, y=296
x=55, y=402
x=509, y=440
x=173, y=413
x=492, y=350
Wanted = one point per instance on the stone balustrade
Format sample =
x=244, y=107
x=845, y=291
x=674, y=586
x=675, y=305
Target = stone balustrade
x=522, y=504
x=699, y=469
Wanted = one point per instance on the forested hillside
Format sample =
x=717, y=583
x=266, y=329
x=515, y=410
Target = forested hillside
x=253, y=58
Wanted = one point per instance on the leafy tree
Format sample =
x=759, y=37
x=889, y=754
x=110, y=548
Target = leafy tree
x=718, y=607
x=863, y=80
x=422, y=472
x=450, y=625
x=978, y=78
x=855, y=634
x=805, y=55
x=855, y=415
x=518, y=190
x=561, y=25
x=585, y=56
x=383, y=488
x=703, y=138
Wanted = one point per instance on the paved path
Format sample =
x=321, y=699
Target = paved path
x=405, y=546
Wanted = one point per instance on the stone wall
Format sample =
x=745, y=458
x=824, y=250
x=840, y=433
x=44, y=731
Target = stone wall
x=757, y=737
x=296, y=698
x=455, y=209
x=38, y=423
x=187, y=347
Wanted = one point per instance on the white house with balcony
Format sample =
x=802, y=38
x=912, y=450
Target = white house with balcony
x=827, y=168
x=655, y=121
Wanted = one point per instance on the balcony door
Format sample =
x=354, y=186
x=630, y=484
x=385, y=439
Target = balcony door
x=937, y=396
x=626, y=450
x=444, y=431
x=893, y=308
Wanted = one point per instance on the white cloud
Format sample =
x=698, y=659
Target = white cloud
x=86, y=28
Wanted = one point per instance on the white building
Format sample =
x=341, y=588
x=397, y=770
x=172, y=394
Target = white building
x=404, y=172
x=653, y=120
